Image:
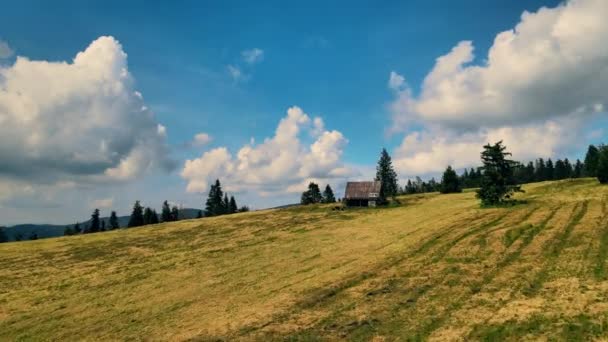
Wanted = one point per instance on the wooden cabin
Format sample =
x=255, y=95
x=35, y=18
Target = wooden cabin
x=362, y=194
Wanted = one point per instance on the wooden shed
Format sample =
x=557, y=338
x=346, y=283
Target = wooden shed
x=362, y=194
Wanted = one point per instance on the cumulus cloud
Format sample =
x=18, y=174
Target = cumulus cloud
x=550, y=69
x=280, y=164
x=553, y=63
x=253, y=56
x=5, y=50
x=78, y=121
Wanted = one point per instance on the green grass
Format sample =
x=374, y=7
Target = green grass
x=434, y=267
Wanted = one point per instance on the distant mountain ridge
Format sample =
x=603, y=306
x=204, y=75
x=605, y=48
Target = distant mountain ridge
x=54, y=230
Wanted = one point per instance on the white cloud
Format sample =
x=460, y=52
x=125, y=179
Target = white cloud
x=5, y=50
x=547, y=74
x=201, y=139
x=395, y=81
x=253, y=56
x=553, y=63
x=236, y=74
x=278, y=165
x=80, y=121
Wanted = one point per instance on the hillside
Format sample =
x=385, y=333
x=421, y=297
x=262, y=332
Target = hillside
x=436, y=267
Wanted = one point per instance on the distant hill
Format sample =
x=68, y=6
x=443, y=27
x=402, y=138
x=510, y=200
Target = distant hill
x=54, y=230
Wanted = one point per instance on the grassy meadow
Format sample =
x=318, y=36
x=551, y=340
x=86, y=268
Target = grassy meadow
x=437, y=267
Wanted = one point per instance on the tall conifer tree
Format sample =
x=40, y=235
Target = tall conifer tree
x=385, y=173
x=137, y=216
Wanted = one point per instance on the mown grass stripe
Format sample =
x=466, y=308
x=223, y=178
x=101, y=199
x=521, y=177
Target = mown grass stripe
x=556, y=248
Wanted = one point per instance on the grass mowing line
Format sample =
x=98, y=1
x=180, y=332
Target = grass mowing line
x=440, y=254
x=322, y=295
x=600, y=267
x=556, y=249
x=436, y=323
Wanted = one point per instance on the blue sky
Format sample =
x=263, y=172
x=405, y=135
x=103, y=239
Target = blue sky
x=331, y=60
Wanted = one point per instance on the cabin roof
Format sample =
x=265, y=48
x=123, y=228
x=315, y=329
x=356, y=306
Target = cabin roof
x=362, y=190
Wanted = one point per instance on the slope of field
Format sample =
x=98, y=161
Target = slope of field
x=437, y=267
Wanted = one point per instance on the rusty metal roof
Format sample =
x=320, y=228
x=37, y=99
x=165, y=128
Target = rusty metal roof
x=362, y=190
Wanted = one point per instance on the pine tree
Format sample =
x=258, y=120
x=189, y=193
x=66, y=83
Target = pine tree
x=233, y=208
x=199, y=214
x=213, y=206
x=103, y=226
x=578, y=169
x=387, y=176
x=328, y=195
x=113, y=221
x=602, y=165
x=244, y=209
x=591, y=161
x=166, y=212
x=174, y=214
x=77, y=229
x=497, y=183
x=450, y=182
x=94, y=225
x=137, y=216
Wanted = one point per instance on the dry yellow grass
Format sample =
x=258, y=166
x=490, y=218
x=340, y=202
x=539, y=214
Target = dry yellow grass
x=437, y=267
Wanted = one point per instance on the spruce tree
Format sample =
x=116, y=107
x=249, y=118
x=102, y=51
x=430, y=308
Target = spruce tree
x=213, y=206
x=450, y=182
x=578, y=169
x=328, y=195
x=549, y=170
x=541, y=173
x=103, y=226
x=530, y=172
x=148, y=216
x=67, y=231
x=3, y=236
x=497, y=183
x=113, y=221
x=569, y=170
x=385, y=173
x=244, y=209
x=591, y=161
x=226, y=204
x=233, y=208
x=77, y=229
x=561, y=171
x=94, y=225
x=154, y=219
x=137, y=216
x=166, y=212
x=602, y=165
x=174, y=214
x=312, y=195
x=199, y=214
